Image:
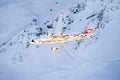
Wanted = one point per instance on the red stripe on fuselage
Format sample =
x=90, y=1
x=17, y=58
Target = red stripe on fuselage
x=46, y=41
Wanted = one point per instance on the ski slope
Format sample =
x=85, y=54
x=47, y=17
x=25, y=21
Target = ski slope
x=98, y=59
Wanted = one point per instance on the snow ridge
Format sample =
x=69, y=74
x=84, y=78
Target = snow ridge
x=98, y=19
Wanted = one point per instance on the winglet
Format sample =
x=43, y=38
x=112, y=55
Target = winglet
x=62, y=13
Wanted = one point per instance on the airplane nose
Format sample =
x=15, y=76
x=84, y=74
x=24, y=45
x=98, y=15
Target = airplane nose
x=32, y=40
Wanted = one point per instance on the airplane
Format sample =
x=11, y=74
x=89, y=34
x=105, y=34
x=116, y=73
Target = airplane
x=59, y=40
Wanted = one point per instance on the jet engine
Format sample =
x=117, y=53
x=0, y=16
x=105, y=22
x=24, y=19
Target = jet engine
x=50, y=34
x=54, y=49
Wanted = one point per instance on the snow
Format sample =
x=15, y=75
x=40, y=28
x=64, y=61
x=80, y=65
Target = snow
x=99, y=59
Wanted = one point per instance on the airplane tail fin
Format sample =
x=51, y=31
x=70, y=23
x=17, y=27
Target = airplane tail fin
x=88, y=31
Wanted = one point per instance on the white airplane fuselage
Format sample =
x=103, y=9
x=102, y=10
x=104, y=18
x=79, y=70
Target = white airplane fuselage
x=62, y=38
x=59, y=39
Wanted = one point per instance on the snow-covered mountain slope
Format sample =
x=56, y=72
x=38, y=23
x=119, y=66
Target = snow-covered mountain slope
x=97, y=58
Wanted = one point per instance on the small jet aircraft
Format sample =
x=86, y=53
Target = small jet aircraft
x=59, y=40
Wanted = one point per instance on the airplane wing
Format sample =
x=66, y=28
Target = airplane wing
x=64, y=49
x=57, y=31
